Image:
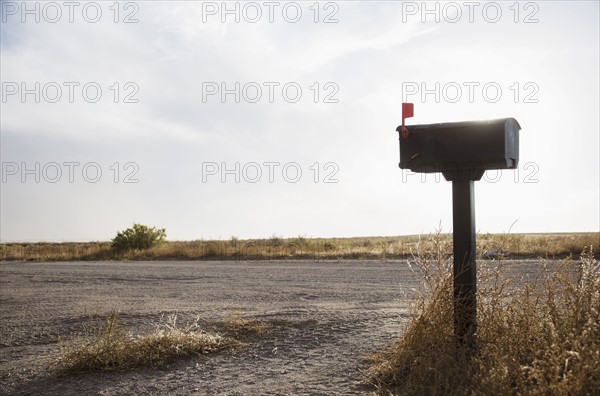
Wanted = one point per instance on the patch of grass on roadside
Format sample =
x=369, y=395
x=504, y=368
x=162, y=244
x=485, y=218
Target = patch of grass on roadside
x=240, y=327
x=109, y=347
x=539, y=338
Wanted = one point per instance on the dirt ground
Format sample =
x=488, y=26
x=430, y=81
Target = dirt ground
x=338, y=312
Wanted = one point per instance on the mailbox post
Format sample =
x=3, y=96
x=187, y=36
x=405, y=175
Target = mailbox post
x=465, y=266
x=462, y=152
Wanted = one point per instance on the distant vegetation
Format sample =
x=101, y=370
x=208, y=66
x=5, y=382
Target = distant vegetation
x=303, y=248
x=138, y=237
x=541, y=338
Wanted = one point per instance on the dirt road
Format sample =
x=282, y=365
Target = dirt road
x=338, y=313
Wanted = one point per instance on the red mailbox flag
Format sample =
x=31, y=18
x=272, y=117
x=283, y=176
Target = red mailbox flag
x=408, y=110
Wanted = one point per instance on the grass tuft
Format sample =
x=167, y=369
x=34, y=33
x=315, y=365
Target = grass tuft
x=108, y=347
x=542, y=337
x=240, y=327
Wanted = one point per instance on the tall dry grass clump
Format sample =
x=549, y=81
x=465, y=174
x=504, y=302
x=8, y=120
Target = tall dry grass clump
x=107, y=346
x=540, y=336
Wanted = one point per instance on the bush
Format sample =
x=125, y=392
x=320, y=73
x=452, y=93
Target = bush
x=138, y=237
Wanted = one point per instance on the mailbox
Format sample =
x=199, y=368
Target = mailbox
x=460, y=150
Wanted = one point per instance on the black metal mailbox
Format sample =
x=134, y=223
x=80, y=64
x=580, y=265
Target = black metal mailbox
x=460, y=150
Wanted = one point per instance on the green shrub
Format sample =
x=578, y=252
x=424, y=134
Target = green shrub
x=138, y=237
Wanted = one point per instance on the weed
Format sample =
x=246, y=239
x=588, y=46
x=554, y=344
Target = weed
x=109, y=347
x=542, y=337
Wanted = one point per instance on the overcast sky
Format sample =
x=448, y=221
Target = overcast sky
x=282, y=122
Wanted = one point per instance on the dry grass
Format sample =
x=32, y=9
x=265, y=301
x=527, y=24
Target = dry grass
x=277, y=248
x=538, y=245
x=542, y=337
x=106, y=345
x=65, y=251
x=109, y=347
x=242, y=328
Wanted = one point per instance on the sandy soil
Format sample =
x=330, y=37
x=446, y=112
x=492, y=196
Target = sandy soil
x=338, y=311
